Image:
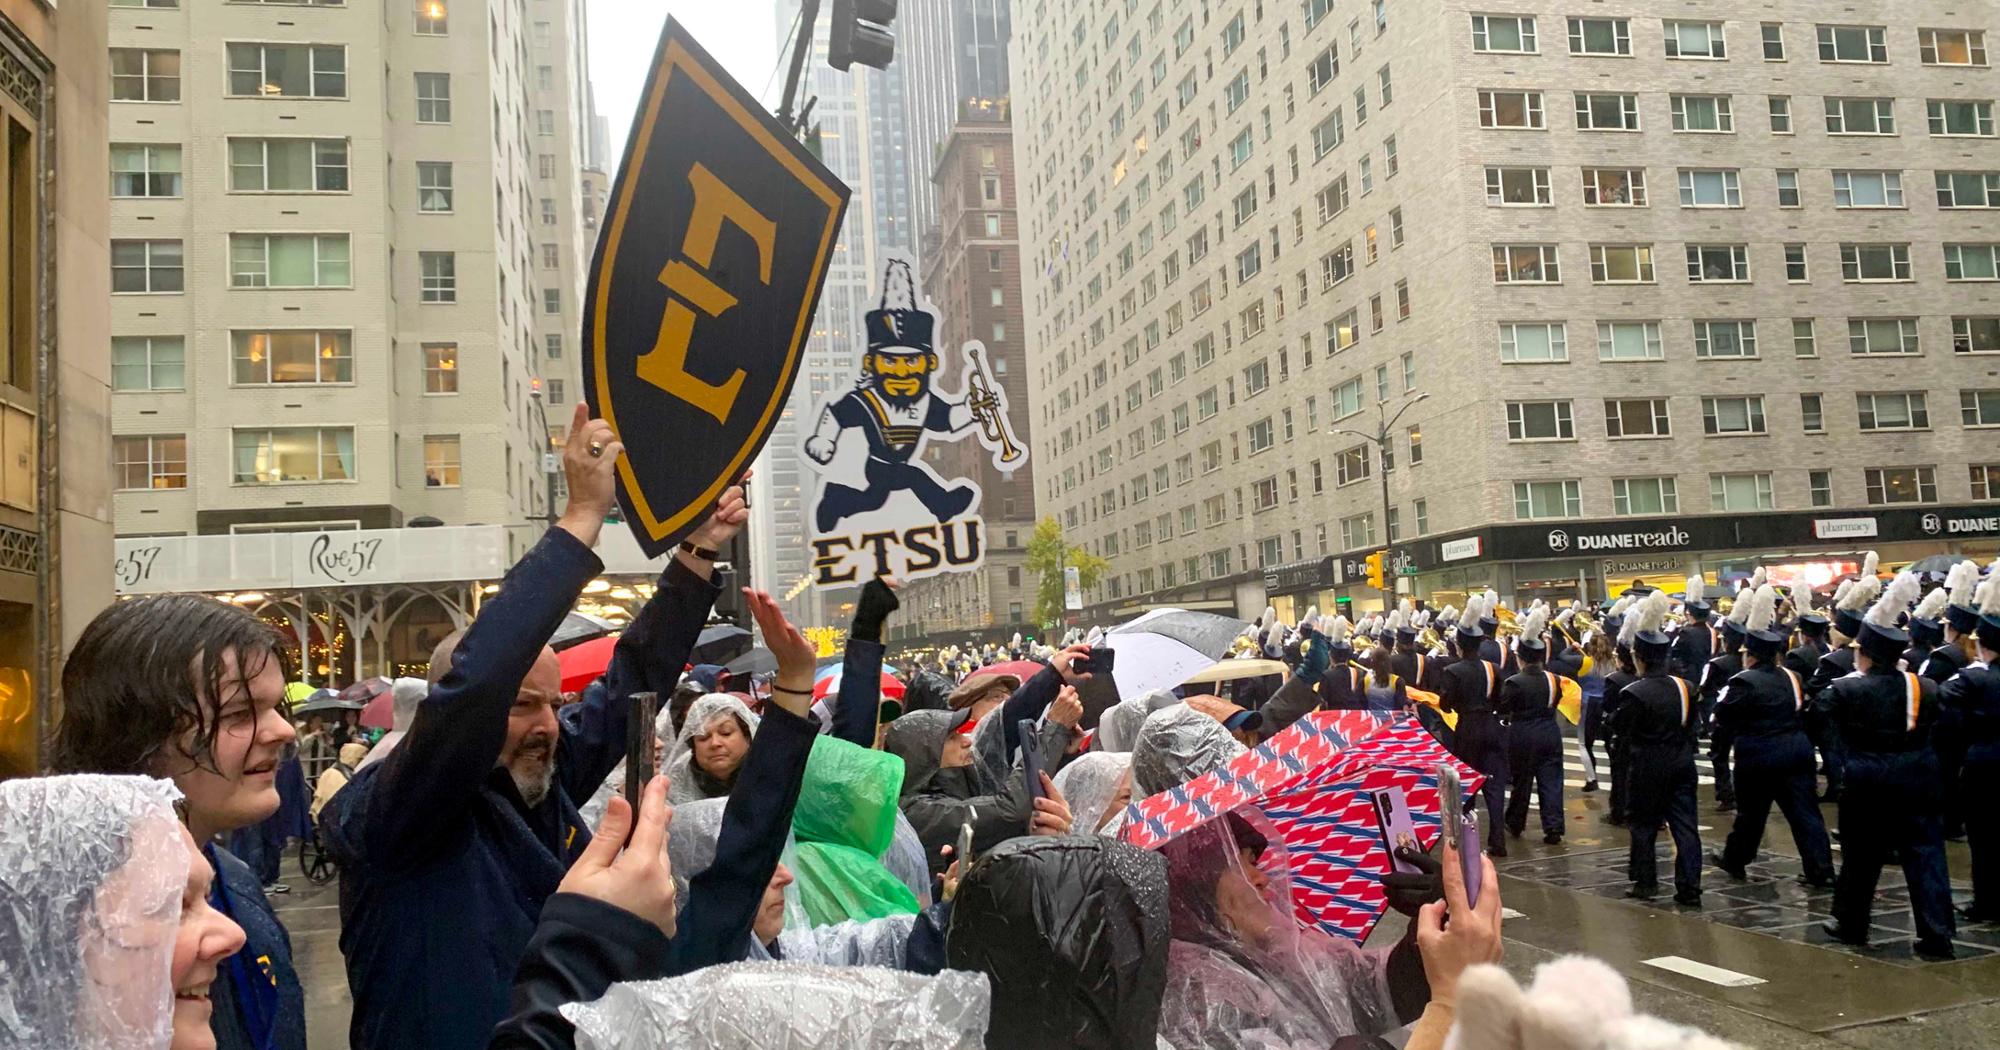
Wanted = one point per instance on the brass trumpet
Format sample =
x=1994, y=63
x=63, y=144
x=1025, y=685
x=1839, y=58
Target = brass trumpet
x=985, y=405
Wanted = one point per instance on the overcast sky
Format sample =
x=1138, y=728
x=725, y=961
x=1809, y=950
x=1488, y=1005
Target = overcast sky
x=738, y=33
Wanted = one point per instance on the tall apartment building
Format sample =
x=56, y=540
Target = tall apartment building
x=972, y=272
x=860, y=141
x=55, y=496
x=1685, y=291
x=954, y=59
x=345, y=252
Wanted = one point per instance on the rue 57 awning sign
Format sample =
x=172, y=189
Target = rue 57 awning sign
x=716, y=244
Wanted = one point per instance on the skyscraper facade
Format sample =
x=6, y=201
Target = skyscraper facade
x=1684, y=290
x=346, y=262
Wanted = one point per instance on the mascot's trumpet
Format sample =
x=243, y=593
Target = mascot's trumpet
x=985, y=405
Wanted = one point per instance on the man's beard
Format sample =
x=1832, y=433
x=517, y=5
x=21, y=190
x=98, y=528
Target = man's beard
x=533, y=773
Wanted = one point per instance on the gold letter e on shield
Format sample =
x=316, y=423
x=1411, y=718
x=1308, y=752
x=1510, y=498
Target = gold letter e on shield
x=666, y=365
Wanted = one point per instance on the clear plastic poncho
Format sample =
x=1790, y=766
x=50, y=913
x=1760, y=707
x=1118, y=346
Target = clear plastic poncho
x=1093, y=785
x=1118, y=727
x=788, y=1006
x=685, y=781
x=1175, y=745
x=92, y=869
x=1241, y=973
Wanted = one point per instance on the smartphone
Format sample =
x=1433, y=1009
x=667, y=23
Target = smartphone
x=1463, y=828
x=1392, y=815
x=639, y=740
x=963, y=855
x=1031, y=765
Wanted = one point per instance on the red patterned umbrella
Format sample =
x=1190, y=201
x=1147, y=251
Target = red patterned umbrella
x=1314, y=782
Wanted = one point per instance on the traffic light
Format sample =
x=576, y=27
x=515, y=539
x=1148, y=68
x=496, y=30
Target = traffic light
x=1375, y=578
x=860, y=33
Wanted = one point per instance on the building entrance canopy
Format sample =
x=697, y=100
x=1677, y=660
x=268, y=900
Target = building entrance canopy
x=291, y=561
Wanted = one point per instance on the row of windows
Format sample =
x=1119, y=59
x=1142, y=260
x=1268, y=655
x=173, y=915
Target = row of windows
x=288, y=165
x=280, y=71
x=1688, y=39
x=1521, y=109
x=291, y=455
x=283, y=357
x=1742, y=414
x=1530, y=187
x=1712, y=263
x=1538, y=342
x=1744, y=491
x=284, y=260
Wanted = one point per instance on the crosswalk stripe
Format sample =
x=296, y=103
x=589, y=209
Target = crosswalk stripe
x=1704, y=972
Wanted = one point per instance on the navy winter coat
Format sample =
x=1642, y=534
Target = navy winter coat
x=444, y=869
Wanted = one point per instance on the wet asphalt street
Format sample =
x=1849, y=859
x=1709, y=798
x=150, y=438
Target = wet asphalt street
x=1750, y=964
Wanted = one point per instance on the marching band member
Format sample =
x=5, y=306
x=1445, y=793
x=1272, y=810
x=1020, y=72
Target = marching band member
x=1883, y=717
x=1974, y=695
x=1714, y=674
x=1657, y=724
x=1759, y=709
x=1534, y=740
x=1471, y=690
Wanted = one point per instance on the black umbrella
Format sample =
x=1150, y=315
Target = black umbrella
x=756, y=661
x=578, y=628
x=1937, y=563
x=720, y=643
x=328, y=701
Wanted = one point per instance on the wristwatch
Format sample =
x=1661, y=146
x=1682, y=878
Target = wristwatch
x=703, y=553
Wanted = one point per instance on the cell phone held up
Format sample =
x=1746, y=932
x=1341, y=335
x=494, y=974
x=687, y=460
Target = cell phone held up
x=1462, y=827
x=1101, y=660
x=1031, y=766
x=1392, y=813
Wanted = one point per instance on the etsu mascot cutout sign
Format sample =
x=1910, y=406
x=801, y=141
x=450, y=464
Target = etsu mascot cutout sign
x=879, y=509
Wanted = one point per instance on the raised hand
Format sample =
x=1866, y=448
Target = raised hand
x=792, y=689
x=1470, y=936
x=732, y=511
x=1067, y=710
x=590, y=462
x=1065, y=663
x=1052, y=816
x=635, y=876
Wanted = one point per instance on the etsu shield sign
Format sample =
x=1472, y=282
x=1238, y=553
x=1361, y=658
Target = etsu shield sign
x=716, y=243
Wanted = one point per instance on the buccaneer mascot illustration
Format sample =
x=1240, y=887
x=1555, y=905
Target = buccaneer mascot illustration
x=879, y=509
x=895, y=408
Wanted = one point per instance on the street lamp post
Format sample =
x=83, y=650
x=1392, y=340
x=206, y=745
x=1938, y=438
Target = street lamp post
x=1380, y=439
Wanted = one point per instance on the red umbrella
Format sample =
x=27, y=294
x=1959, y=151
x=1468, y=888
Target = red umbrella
x=585, y=663
x=1314, y=782
x=380, y=712
x=892, y=688
x=1022, y=669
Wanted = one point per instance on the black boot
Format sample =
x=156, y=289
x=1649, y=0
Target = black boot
x=1839, y=933
x=1589, y=786
x=1552, y=838
x=1643, y=891
x=1735, y=870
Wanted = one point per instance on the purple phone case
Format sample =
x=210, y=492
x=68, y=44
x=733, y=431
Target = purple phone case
x=1392, y=813
x=1452, y=803
x=1468, y=855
